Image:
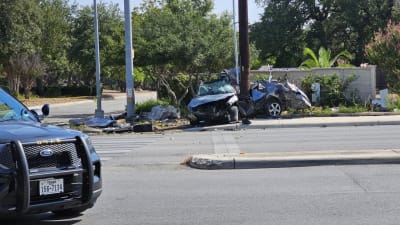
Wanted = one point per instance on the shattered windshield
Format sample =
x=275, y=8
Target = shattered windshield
x=12, y=109
x=215, y=88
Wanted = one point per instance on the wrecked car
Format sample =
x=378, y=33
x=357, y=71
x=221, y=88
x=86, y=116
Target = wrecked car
x=216, y=101
x=273, y=97
x=42, y=167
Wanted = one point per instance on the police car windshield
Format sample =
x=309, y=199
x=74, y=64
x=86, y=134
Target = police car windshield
x=12, y=109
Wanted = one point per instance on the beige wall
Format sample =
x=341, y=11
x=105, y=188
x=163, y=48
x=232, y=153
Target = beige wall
x=365, y=84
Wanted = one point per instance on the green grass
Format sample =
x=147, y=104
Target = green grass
x=327, y=111
x=352, y=109
x=149, y=104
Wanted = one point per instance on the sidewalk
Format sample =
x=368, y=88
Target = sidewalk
x=299, y=159
x=356, y=120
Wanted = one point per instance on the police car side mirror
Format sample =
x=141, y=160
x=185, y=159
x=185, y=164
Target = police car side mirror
x=46, y=109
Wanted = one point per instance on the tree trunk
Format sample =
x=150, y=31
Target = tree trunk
x=169, y=89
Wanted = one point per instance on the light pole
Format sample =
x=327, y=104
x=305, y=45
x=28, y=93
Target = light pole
x=130, y=92
x=99, y=113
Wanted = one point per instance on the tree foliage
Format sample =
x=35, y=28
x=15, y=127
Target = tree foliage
x=279, y=35
x=176, y=40
x=56, y=41
x=324, y=58
x=20, y=32
x=384, y=51
x=287, y=26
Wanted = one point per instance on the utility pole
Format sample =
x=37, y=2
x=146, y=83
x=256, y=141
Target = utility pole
x=99, y=113
x=235, y=43
x=244, y=47
x=130, y=91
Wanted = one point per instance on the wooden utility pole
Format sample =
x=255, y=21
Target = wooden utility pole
x=244, y=48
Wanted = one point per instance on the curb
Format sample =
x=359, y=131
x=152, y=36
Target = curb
x=293, y=159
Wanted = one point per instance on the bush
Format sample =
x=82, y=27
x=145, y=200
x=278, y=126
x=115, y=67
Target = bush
x=149, y=104
x=393, y=103
x=78, y=91
x=332, y=88
x=52, y=92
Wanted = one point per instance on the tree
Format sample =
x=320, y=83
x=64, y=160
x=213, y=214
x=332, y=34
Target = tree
x=384, y=51
x=57, y=39
x=351, y=25
x=279, y=35
x=28, y=68
x=111, y=43
x=20, y=29
x=287, y=26
x=179, y=39
x=324, y=59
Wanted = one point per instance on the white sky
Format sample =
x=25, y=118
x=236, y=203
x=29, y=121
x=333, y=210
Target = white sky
x=219, y=7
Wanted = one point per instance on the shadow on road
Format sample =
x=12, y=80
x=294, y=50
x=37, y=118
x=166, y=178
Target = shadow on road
x=40, y=219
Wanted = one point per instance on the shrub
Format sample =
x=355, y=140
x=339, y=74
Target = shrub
x=78, y=91
x=146, y=106
x=393, y=103
x=332, y=88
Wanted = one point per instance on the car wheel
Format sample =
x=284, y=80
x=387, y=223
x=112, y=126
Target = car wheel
x=234, y=113
x=273, y=108
x=194, y=122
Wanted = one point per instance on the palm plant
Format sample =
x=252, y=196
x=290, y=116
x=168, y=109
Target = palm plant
x=324, y=59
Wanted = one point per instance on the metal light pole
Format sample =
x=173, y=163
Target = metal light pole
x=99, y=113
x=130, y=91
x=235, y=44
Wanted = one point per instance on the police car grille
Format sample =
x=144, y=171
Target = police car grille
x=64, y=155
x=6, y=159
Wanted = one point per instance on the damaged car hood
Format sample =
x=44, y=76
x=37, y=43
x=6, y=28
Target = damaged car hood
x=200, y=100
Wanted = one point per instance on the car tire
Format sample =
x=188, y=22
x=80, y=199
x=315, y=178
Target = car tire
x=194, y=122
x=273, y=108
x=234, y=113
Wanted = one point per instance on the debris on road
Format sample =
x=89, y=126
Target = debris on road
x=163, y=112
x=159, y=119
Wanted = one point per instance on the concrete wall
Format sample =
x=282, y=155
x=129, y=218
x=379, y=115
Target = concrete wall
x=365, y=85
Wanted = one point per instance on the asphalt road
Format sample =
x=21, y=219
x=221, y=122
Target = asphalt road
x=145, y=184
x=86, y=108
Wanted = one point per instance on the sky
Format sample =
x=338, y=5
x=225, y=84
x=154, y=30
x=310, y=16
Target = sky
x=219, y=7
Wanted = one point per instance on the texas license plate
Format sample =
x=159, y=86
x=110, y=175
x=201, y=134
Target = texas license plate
x=51, y=186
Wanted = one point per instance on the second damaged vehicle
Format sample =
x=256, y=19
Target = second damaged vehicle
x=272, y=98
x=216, y=102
